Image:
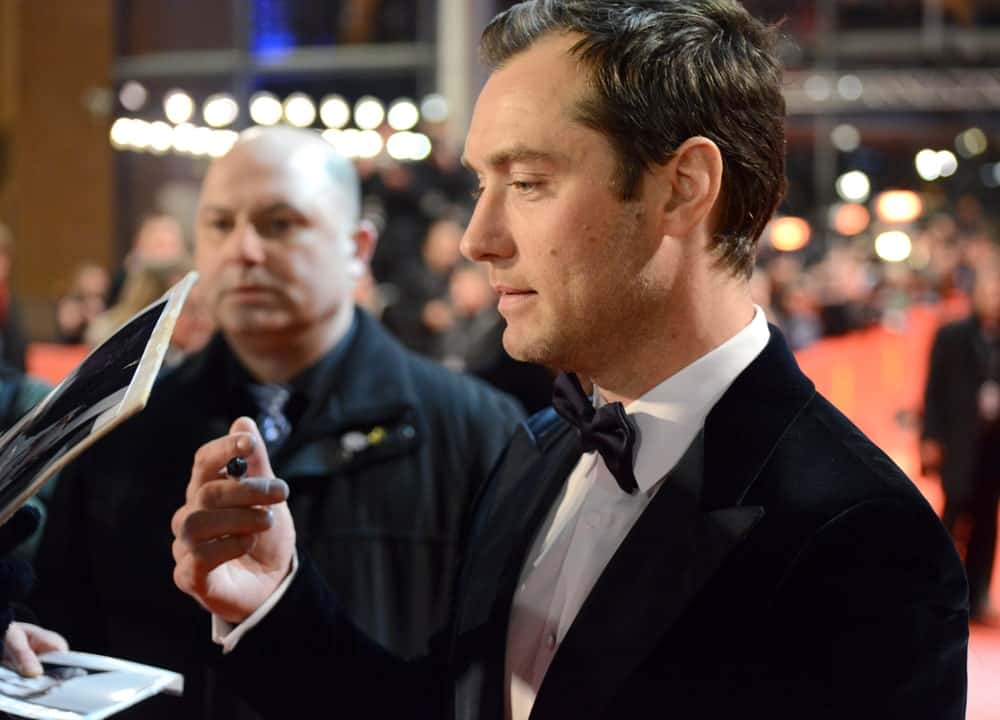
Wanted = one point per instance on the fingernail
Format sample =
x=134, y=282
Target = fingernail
x=244, y=444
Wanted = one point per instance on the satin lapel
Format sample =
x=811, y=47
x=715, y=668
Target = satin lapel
x=507, y=518
x=672, y=550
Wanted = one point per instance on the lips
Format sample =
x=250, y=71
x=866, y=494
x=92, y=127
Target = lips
x=512, y=299
x=248, y=291
x=503, y=290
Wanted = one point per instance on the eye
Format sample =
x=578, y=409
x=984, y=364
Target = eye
x=222, y=225
x=275, y=226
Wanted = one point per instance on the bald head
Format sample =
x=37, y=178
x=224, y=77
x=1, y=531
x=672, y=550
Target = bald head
x=305, y=159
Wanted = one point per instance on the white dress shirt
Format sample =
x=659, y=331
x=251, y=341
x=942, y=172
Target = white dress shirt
x=592, y=515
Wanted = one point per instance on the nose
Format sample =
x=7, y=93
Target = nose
x=487, y=238
x=246, y=244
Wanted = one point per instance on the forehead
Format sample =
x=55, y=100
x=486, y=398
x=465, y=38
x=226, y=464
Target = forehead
x=245, y=179
x=530, y=101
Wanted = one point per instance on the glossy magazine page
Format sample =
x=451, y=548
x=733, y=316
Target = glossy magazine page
x=111, y=384
x=81, y=686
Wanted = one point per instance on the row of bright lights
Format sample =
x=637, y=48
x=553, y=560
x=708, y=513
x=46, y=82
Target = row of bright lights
x=893, y=207
x=789, y=234
x=160, y=138
x=855, y=186
x=298, y=109
x=968, y=143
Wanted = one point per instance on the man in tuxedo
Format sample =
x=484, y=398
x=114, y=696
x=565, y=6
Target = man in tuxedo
x=960, y=438
x=384, y=450
x=694, y=532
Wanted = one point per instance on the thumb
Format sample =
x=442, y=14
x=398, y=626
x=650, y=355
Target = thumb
x=18, y=654
x=258, y=463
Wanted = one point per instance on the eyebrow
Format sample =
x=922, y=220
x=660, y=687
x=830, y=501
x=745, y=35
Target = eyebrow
x=517, y=153
x=271, y=207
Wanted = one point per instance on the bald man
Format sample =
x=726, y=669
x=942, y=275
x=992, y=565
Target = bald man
x=382, y=451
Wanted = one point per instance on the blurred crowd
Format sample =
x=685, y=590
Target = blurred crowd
x=443, y=307
x=848, y=287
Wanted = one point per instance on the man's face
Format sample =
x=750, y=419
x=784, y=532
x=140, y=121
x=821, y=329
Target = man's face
x=571, y=262
x=272, y=245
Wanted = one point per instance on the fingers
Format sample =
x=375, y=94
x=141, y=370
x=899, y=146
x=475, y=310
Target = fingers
x=258, y=464
x=17, y=652
x=242, y=441
x=193, y=564
x=206, y=525
x=230, y=493
x=42, y=640
x=242, y=493
x=211, y=458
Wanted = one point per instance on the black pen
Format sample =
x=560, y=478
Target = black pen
x=237, y=467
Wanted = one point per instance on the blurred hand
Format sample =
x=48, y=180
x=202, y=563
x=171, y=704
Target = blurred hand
x=24, y=642
x=233, y=539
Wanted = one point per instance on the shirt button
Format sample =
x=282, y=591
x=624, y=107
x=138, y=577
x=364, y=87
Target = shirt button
x=550, y=640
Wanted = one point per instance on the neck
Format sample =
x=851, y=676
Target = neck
x=279, y=357
x=684, y=331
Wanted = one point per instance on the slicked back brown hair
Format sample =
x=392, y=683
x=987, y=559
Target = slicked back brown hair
x=663, y=71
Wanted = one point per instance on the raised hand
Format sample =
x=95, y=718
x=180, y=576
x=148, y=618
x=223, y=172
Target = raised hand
x=233, y=538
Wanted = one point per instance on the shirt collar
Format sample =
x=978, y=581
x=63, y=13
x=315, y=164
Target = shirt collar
x=306, y=387
x=670, y=415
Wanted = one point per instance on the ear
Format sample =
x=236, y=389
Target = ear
x=365, y=237
x=693, y=179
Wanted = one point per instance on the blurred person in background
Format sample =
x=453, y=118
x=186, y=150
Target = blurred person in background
x=793, y=301
x=420, y=313
x=13, y=342
x=391, y=192
x=86, y=298
x=144, y=283
x=842, y=291
x=158, y=240
x=961, y=429
x=383, y=450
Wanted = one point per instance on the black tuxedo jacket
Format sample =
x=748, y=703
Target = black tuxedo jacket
x=785, y=569
x=958, y=368
x=381, y=523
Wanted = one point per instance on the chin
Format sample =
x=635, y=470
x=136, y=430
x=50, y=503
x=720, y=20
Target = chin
x=528, y=349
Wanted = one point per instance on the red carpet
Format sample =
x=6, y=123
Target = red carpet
x=876, y=378
x=984, y=671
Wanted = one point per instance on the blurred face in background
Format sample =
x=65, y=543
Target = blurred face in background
x=274, y=243
x=986, y=294
x=441, y=246
x=160, y=240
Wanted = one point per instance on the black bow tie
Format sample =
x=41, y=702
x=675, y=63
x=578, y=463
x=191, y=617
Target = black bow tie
x=608, y=429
